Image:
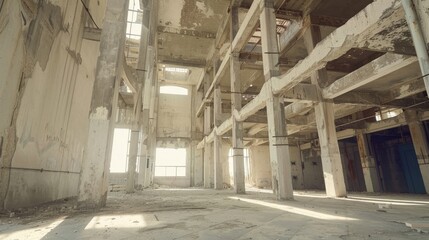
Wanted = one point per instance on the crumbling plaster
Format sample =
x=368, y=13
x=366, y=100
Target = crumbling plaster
x=54, y=69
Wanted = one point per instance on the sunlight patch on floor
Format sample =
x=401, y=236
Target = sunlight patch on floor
x=117, y=221
x=35, y=232
x=295, y=210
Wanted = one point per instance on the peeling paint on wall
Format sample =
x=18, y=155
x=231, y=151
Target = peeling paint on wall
x=41, y=34
x=44, y=120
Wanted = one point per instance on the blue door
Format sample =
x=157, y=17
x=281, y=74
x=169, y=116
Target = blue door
x=411, y=168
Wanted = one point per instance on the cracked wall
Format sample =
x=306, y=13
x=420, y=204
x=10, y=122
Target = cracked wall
x=45, y=94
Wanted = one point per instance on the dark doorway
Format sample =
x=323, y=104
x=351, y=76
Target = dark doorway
x=397, y=161
x=352, y=167
x=411, y=169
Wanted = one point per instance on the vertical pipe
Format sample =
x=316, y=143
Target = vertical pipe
x=418, y=39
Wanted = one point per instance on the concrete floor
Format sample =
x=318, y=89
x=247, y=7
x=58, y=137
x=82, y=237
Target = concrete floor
x=209, y=214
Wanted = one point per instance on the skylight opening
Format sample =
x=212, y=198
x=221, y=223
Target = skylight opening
x=387, y=113
x=174, y=90
x=175, y=69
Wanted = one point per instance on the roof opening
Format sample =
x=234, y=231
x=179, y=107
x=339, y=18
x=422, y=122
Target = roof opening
x=174, y=90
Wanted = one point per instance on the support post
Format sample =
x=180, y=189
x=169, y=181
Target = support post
x=237, y=127
x=132, y=160
x=369, y=166
x=217, y=144
x=420, y=143
x=325, y=121
x=95, y=166
x=208, y=167
x=141, y=73
x=278, y=140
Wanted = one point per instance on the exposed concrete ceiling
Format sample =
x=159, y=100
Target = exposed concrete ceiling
x=187, y=29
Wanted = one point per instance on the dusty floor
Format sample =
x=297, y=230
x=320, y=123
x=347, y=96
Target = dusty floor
x=209, y=214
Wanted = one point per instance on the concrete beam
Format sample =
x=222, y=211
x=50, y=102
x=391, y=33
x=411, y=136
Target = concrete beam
x=358, y=30
x=372, y=71
x=186, y=32
x=293, y=33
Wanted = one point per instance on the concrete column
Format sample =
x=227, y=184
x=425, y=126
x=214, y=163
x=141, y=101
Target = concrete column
x=150, y=158
x=325, y=121
x=225, y=163
x=420, y=143
x=330, y=152
x=142, y=76
x=142, y=165
x=369, y=166
x=278, y=140
x=217, y=110
x=197, y=128
x=132, y=160
x=152, y=124
x=237, y=127
x=207, y=149
x=96, y=161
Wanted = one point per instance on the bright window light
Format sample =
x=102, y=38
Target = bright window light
x=387, y=113
x=174, y=90
x=119, y=158
x=178, y=70
x=170, y=162
x=134, y=19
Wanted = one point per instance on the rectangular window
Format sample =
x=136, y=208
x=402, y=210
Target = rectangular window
x=170, y=162
x=119, y=157
x=120, y=151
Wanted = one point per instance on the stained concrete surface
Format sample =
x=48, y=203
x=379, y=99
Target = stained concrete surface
x=210, y=214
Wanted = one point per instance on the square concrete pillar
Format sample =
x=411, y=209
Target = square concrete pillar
x=96, y=161
x=369, y=166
